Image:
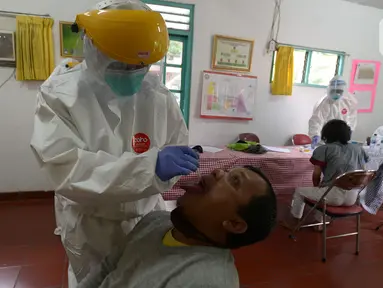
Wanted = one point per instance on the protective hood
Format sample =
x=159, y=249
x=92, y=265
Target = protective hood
x=336, y=88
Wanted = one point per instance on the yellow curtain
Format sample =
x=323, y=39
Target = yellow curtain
x=283, y=72
x=34, y=48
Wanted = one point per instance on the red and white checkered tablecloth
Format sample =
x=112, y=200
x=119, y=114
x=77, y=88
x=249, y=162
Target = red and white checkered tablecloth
x=286, y=171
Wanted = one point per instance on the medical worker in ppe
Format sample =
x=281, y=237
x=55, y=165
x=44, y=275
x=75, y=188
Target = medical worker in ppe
x=378, y=132
x=110, y=136
x=338, y=103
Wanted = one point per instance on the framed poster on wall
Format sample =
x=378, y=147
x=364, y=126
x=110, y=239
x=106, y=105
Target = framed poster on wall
x=71, y=44
x=228, y=96
x=231, y=53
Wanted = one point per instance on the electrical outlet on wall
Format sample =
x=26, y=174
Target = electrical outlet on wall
x=272, y=46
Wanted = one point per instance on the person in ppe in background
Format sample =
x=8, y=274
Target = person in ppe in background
x=338, y=103
x=110, y=136
x=376, y=140
x=379, y=131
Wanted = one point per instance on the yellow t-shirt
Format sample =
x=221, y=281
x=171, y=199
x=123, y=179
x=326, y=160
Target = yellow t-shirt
x=170, y=241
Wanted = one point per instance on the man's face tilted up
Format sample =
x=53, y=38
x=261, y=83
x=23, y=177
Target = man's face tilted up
x=227, y=209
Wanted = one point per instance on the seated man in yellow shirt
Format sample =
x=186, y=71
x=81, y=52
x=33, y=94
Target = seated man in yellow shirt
x=190, y=247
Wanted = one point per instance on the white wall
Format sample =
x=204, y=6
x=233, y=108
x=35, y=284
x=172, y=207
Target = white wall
x=327, y=24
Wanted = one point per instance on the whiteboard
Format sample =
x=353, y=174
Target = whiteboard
x=226, y=95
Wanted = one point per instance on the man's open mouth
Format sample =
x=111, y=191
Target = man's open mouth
x=199, y=187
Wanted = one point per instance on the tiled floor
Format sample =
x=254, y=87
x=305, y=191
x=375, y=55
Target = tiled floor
x=31, y=256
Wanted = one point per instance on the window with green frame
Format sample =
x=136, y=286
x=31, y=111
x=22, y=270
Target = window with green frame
x=175, y=68
x=314, y=67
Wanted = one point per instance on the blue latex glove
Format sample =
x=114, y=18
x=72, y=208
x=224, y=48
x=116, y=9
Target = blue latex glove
x=315, y=141
x=175, y=161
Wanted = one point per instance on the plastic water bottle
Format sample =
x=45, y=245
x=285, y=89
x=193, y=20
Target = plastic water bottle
x=315, y=142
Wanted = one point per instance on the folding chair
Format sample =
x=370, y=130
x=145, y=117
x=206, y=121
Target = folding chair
x=301, y=139
x=348, y=181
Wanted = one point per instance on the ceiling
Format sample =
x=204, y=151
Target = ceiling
x=372, y=3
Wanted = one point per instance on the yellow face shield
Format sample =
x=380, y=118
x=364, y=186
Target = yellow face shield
x=134, y=37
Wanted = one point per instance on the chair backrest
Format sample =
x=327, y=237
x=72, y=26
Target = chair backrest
x=301, y=139
x=357, y=179
x=249, y=137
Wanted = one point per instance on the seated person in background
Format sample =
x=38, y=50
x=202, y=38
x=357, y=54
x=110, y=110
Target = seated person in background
x=334, y=158
x=190, y=247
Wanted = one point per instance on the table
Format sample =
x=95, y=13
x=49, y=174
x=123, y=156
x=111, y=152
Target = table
x=286, y=171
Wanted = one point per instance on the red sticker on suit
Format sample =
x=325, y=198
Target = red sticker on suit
x=140, y=143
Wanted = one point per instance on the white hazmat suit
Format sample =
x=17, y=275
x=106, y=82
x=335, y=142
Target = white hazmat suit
x=379, y=132
x=338, y=103
x=100, y=151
